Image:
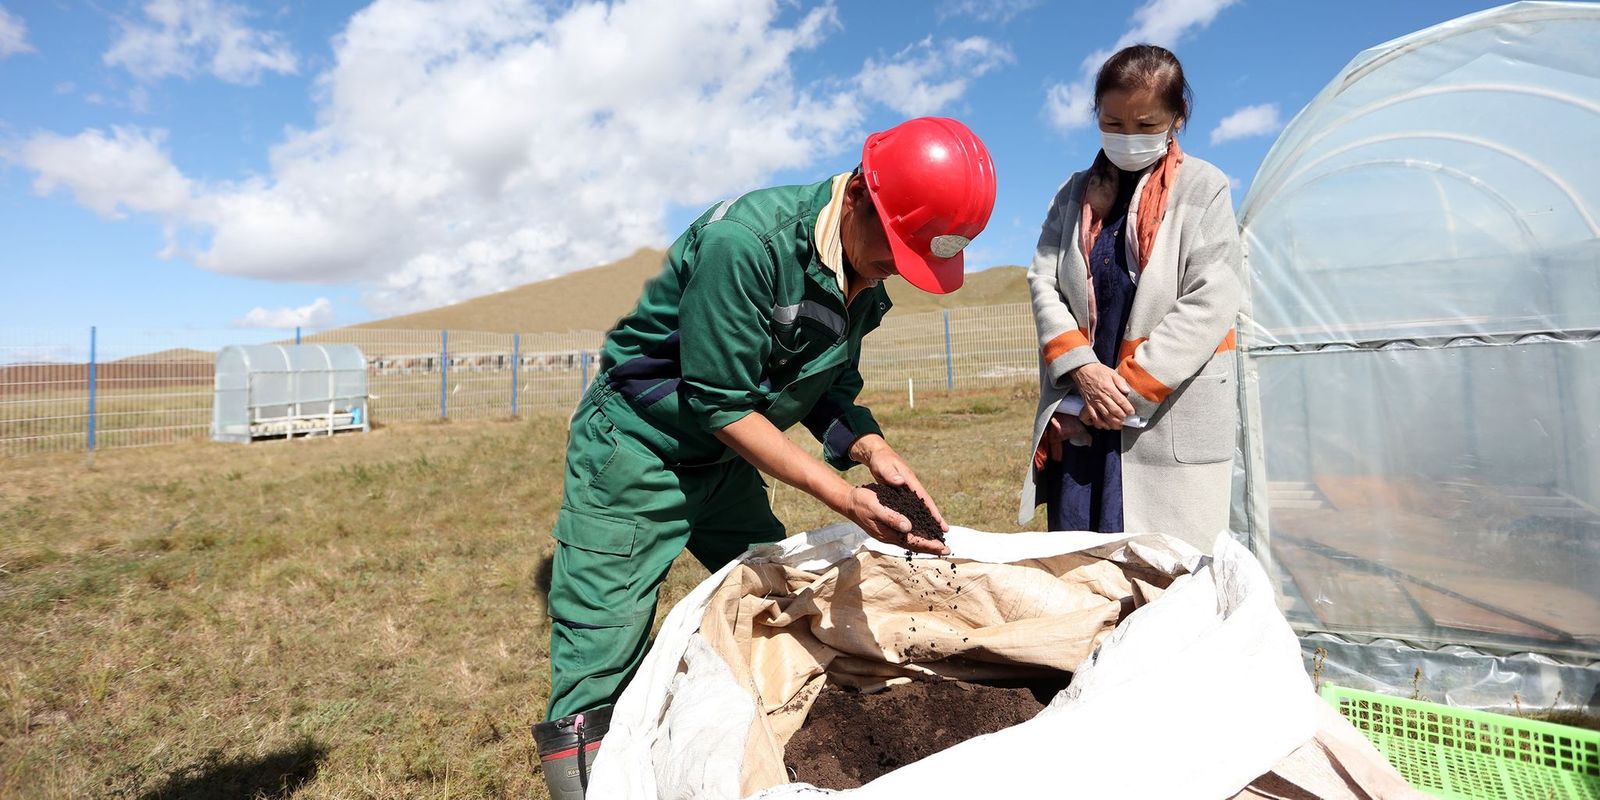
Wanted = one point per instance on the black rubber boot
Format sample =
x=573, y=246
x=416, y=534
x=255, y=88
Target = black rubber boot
x=567, y=747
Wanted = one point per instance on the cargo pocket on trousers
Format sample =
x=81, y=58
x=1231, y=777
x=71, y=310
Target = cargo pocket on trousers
x=592, y=576
x=1205, y=419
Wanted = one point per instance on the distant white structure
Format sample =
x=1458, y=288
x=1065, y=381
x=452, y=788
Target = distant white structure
x=269, y=391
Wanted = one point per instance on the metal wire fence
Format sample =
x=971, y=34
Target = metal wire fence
x=63, y=390
x=958, y=349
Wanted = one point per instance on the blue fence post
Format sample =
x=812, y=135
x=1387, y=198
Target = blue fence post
x=444, y=374
x=583, y=387
x=93, y=341
x=949, y=361
x=297, y=334
x=516, y=363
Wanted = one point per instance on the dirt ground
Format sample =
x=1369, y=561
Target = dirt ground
x=849, y=739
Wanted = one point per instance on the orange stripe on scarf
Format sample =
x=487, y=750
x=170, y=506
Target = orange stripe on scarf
x=1057, y=347
x=1153, y=202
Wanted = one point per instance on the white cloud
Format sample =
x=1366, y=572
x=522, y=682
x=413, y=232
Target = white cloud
x=1068, y=106
x=1257, y=120
x=13, y=34
x=139, y=100
x=1235, y=183
x=1001, y=11
x=180, y=37
x=318, y=314
x=1165, y=22
x=125, y=171
x=466, y=147
x=924, y=78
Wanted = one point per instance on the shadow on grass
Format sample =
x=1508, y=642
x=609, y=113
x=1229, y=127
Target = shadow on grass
x=542, y=575
x=275, y=775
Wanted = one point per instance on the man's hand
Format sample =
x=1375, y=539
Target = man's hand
x=764, y=446
x=1105, y=396
x=885, y=524
x=887, y=467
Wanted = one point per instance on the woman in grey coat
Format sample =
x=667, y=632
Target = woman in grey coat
x=1136, y=284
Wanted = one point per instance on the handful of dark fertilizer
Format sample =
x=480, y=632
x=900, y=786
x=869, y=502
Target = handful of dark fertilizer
x=905, y=501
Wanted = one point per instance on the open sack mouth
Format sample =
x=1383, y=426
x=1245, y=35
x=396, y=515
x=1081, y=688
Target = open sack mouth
x=1168, y=652
x=846, y=657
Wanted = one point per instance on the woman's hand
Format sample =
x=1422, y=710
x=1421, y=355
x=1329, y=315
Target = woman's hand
x=1105, y=396
x=1061, y=428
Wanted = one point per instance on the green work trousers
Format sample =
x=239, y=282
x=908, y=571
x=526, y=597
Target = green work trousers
x=625, y=515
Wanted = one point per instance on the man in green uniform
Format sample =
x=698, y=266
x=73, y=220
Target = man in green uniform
x=754, y=324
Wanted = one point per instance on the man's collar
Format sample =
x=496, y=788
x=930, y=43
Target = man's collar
x=826, y=236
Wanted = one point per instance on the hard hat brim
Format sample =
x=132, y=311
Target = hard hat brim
x=924, y=270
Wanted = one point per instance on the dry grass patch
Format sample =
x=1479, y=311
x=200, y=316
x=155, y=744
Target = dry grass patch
x=354, y=617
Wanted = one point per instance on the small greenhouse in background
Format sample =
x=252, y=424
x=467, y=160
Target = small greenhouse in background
x=275, y=391
x=1419, y=460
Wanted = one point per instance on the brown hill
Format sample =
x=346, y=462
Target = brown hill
x=594, y=299
x=173, y=355
x=589, y=299
x=991, y=287
x=112, y=376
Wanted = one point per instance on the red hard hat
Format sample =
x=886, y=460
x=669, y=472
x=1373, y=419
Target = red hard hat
x=932, y=182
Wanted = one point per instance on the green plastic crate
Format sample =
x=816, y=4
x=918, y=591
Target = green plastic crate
x=1462, y=753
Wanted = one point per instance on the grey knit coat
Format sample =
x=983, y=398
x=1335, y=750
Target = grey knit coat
x=1178, y=352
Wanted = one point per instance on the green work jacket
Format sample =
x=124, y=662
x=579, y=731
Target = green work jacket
x=743, y=318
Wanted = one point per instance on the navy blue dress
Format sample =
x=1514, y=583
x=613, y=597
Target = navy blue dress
x=1083, y=491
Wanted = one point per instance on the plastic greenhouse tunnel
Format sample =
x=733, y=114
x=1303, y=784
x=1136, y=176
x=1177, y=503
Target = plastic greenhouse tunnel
x=1419, y=459
x=282, y=391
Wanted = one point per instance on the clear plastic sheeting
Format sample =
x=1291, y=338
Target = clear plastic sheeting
x=1420, y=458
x=1455, y=675
x=1444, y=184
x=285, y=390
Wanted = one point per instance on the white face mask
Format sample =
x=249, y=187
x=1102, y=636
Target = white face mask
x=1134, y=151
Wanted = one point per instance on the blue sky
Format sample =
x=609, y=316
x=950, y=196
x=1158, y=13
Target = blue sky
x=206, y=163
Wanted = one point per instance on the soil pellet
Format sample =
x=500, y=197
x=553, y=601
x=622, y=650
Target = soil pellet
x=905, y=501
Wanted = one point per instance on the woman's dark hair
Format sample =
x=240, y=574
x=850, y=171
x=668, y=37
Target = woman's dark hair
x=1143, y=66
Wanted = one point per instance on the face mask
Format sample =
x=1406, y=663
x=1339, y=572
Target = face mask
x=1134, y=151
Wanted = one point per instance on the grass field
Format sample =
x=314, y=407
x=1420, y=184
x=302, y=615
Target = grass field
x=161, y=415
x=350, y=617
